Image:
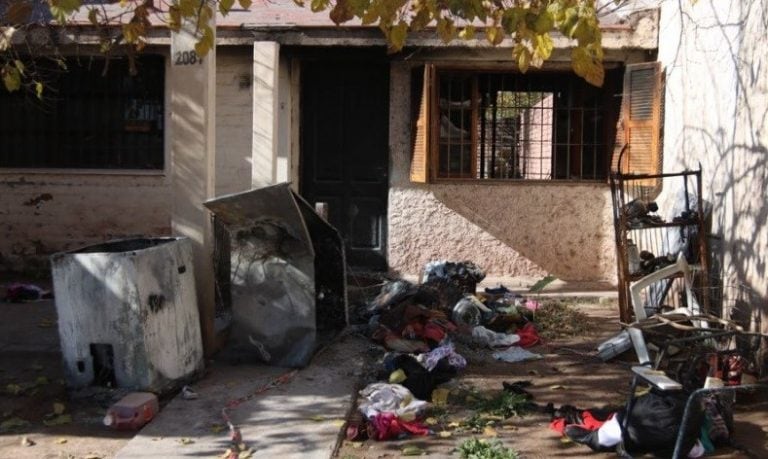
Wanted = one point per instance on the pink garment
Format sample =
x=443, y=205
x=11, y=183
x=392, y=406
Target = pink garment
x=386, y=426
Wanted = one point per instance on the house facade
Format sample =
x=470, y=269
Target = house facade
x=436, y=152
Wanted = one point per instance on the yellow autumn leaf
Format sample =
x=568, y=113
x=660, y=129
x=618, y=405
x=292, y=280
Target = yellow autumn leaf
x=225, y=6
x=467, y=32
x=397, y=36
x=495, y=35
x=446, y=29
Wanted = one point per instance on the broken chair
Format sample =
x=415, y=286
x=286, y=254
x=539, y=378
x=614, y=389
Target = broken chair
x=675, y=348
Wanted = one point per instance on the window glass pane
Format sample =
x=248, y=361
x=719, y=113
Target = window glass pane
x=94, y=115
x=538, y=127
x=456, y=121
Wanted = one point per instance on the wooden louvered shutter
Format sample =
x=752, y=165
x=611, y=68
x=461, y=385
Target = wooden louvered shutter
x=641, y=119
x=421, y=135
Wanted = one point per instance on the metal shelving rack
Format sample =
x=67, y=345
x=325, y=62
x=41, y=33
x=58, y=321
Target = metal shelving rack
x=650, y=235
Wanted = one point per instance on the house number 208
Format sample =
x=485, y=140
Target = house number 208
x=187, y=58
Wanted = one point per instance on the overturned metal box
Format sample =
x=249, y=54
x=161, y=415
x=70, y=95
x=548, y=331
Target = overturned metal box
x=287, y=275
x=127, y=313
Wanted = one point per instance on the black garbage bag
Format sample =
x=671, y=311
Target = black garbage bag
x=464, y=275
x=391, y=294
x=420, y=381
x=654, y=423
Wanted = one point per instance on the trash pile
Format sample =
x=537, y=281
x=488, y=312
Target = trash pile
x=25, y=293
x=418, y=326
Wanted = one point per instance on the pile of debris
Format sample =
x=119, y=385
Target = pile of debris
x=418, y=326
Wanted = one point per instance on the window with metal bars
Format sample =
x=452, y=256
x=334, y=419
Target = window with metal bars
x=495, y=125
x=88, y=118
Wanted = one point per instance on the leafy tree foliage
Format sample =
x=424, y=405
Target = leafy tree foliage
x=527, y=24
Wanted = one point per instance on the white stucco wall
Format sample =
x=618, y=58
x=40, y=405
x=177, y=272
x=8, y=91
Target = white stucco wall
x=86, y=208
x=234, y=119
x=82, y=209
x=716, y=65
x=516, y=229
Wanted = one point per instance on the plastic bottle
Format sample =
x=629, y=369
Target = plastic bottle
x=132, y=411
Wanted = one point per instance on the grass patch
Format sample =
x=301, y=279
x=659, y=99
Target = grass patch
x=556, y=319
x=504, y=404
x=475, y=448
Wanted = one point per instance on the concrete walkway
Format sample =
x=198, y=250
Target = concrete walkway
x=301, y=418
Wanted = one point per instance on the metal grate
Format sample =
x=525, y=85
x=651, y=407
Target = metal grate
x=87, y=120
x=511, y=126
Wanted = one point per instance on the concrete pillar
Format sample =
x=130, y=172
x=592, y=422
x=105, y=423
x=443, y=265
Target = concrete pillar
x=192, y=85
x=284, y=130
x=266, y=65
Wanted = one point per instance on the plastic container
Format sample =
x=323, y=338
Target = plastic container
x=619, y=344
x=633, y=257
x=132, y=411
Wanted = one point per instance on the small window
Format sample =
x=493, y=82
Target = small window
x=87, y=119
x=503, y=125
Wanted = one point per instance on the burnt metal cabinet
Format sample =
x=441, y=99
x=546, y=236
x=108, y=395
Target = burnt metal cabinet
x=127, y=313
x=677, y=223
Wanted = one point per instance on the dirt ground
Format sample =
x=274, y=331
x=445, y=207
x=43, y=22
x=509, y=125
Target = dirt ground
x=569, y=373
x=31, y=389
x=31, y=383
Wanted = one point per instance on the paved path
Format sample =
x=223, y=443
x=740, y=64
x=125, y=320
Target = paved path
x=299, y=419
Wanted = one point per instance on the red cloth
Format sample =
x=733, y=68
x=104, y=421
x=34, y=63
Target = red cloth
x=434, y=332
x=387, y=426
x=528, y=335
x=558, y=425
x=591, y=422
x=588, y=421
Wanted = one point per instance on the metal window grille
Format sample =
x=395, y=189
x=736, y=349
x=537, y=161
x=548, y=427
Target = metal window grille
x=510, y=126
x=87, y=120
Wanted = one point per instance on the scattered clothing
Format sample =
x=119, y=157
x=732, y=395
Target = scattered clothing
x=389, y=398
x=652, y=426
x=420, y=381
x=585, y=419
x=392, y=293
x=465, y=274
x=500, y=290
x=532, y=305
x=529, y=336
x=387, y=426
x=23, y=293
x=493, y=339
x=515, y=354
x=433, y=357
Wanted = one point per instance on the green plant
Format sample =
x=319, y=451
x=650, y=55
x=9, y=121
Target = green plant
x=505, y=404
x=475, y=448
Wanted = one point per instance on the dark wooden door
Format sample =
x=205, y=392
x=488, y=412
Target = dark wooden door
x=344, y=152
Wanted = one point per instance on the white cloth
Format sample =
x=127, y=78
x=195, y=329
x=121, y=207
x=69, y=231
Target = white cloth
x=515, y=354
x=389, y=398
x=697, y=450
x=492, y=339
x=609, y=434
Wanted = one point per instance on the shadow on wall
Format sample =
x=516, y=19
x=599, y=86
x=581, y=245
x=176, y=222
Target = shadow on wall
x=730, y=138
x=564, y=230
